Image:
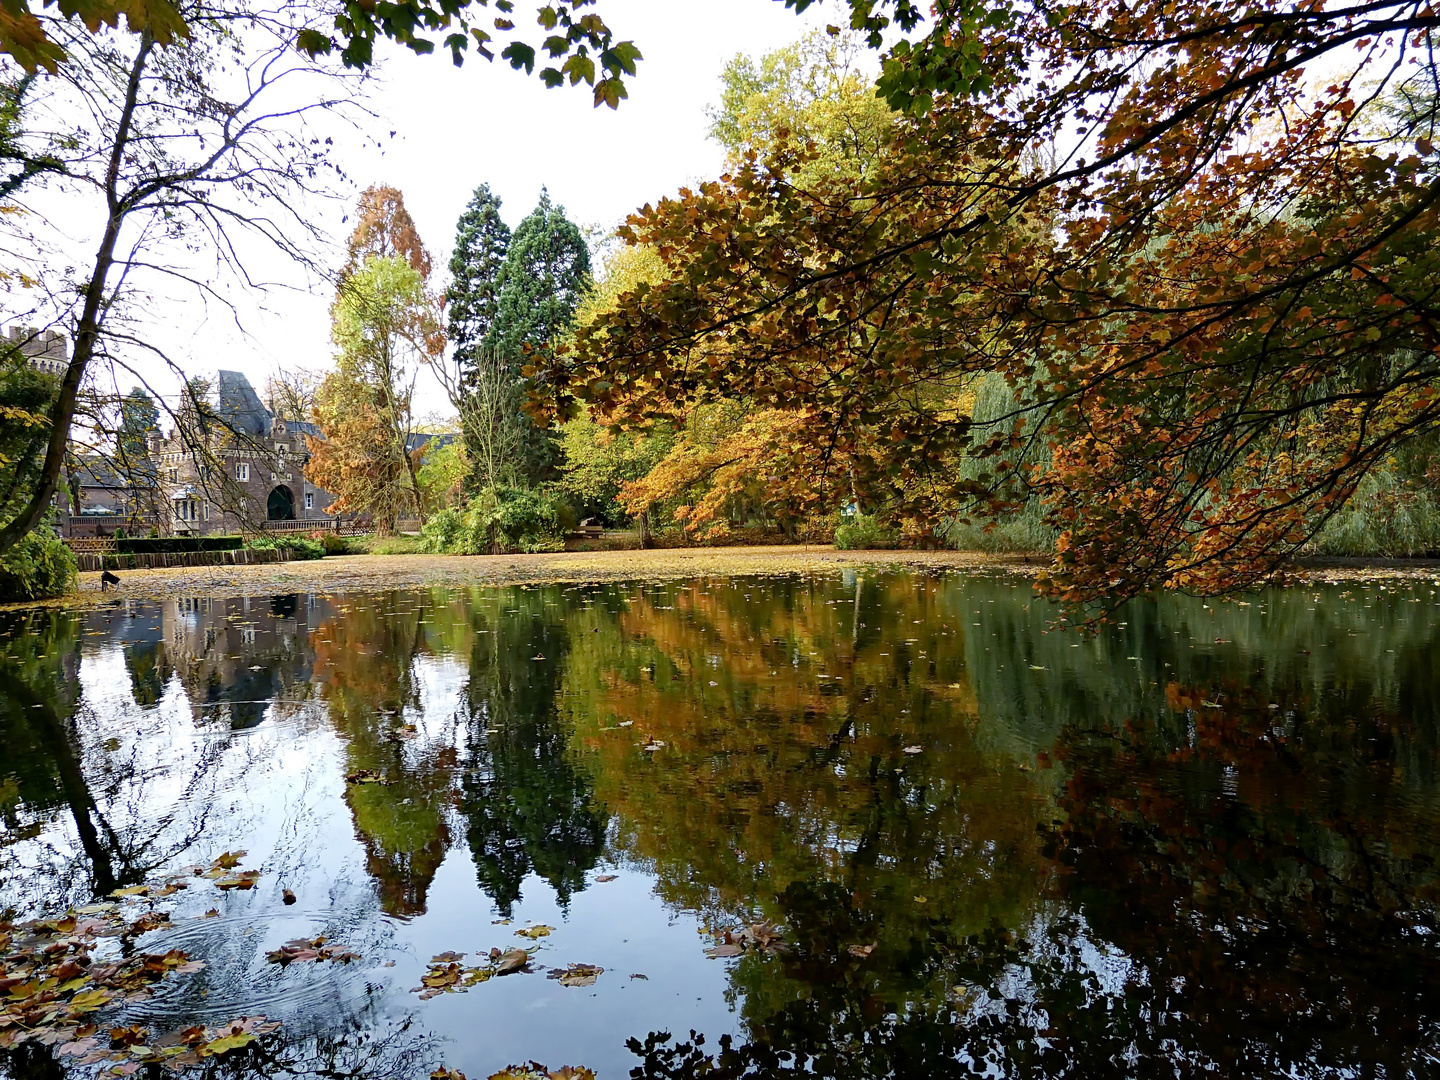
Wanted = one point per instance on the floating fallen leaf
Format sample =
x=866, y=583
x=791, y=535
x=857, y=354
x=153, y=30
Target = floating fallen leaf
x=913, y=750
x=245, y=879
x=228, y=860
x=534, y=932
x=607, y=877
x=89, y=1000
x=861, y=951
x=920, y=900
x=728, y=948
x=576, y=974
x=287, y=897
x=639, y=976
x=305, y=950
x=511, y=961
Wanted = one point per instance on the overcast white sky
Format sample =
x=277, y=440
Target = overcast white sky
x=456, y=128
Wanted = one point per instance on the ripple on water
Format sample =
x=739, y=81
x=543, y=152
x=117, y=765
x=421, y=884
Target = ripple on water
x=239, y=981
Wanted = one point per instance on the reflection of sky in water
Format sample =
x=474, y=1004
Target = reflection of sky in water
x=890, y=762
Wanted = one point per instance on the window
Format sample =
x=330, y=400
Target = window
x=242, y=471
x=174, y=476
x=309, y=500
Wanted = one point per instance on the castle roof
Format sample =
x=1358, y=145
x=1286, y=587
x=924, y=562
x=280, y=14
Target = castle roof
x=240, y=407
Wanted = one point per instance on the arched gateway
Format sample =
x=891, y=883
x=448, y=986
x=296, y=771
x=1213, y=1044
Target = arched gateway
x=281, y=505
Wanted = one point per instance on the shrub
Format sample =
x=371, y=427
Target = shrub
x=332, y=542
x=864, y=531
x=439, y=535
x=39, y=567
x=302, y=547
x=500, y=519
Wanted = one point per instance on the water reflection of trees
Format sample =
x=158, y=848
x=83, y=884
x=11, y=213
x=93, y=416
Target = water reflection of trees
x=365, y=658
x=63, y=758
x=527, y=807
x=1104, y=855
x=1216, y=886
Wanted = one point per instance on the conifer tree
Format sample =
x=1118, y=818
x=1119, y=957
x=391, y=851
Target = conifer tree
x=545, y=276
x=472, y=300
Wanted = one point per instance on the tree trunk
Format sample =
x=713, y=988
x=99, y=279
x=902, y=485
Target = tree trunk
x=645, y=540
x=87, y=330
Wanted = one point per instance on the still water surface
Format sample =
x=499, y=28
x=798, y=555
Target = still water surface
x=1205, y=840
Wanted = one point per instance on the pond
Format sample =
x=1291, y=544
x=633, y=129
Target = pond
x=875, y=824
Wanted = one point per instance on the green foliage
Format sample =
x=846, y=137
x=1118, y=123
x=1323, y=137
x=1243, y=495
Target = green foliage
x=388, y=545
x=332, y=542
x=598, y=462
x=814, y=92
x=39, y=567
x=545, y=276
x=863, y=531
x=1395, y=513
x=1017, y=531
x=301, y=547
x=25, y=399
x=500, y=519
x=473, y=299
x=442, y=475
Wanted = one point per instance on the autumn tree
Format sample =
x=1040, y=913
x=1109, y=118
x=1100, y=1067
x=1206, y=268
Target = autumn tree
x=1207, y=278
x=163, y=153
x=383, y=227
x=383, y=329
x=816, y=91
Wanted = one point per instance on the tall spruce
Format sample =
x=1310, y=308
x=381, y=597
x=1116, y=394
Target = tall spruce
x=545, y=276
x=481, y=240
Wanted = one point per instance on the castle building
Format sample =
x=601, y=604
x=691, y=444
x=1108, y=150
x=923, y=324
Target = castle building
x=244, y=468
x=44, y=350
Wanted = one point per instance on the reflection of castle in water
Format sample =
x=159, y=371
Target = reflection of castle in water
x=245, y=652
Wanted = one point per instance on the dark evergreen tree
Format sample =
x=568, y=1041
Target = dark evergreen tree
x=545, y=276
x=472, y=300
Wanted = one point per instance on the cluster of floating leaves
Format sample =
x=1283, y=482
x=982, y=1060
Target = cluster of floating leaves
x=533, y=1071
x=448, y=974
x=763, y=937
x=310, y=950
x=52, y=990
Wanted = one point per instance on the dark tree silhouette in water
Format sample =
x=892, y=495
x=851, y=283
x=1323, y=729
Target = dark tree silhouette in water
x=528, y=807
